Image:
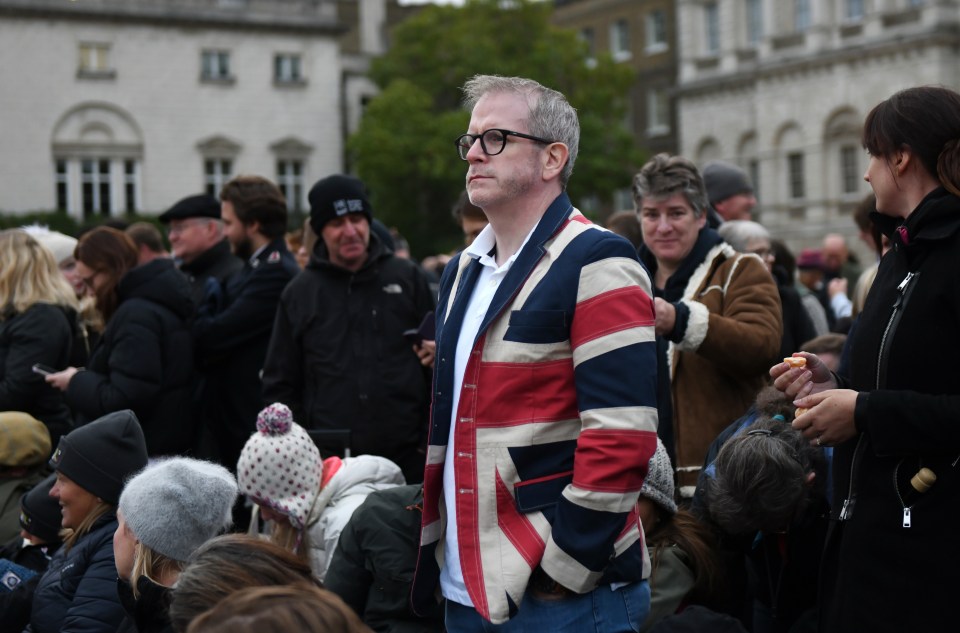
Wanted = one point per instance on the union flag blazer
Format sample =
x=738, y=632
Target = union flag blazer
x=556, y=423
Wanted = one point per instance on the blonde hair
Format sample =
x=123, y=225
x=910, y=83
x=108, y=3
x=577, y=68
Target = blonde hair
x=70, y=536
x=29, y=275
x=151, y=565
x=292, y=539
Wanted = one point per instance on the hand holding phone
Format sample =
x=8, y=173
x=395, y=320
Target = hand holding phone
x=43, y=370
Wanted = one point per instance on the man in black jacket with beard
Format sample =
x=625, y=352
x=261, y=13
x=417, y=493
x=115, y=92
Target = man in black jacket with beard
x=198, y=244
x=338, y=357
x=233, y=324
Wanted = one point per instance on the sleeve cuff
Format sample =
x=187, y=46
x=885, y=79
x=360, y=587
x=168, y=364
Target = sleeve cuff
x=860, y=411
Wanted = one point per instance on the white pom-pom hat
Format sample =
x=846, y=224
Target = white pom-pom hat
x=280, y=466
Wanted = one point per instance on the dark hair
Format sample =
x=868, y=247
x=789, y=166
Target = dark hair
x=111, y=252
x=861, y=215
x=463, y=208
x=696, y=541
x=626, y=224
x=925, y=119
x=256, y=199
x=296, y=607
x=226, y=564
x=146, y=234
x=761, y=478
x=783, y=260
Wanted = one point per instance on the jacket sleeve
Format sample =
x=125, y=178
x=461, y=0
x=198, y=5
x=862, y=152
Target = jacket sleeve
x=134, y=368
x=283, y=366
x=744, y=336
x=347, y=575
x=96, y=606
x=615, y=376
x=36, y=336
x=249, y=316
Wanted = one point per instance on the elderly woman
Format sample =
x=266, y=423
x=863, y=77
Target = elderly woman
x=747, y=236
x=718, y=320
x=894, y=424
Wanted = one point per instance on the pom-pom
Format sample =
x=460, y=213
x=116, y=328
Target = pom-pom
x=275, y=419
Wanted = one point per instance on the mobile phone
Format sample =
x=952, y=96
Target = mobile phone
x=43, y=370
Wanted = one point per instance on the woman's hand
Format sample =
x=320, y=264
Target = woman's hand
x=828, y=420
x=798, y=382
x=61, y=379
x=666, y=316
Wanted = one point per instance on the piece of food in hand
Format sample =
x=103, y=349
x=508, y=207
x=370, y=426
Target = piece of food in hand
x=800, y=411
x=796, y=361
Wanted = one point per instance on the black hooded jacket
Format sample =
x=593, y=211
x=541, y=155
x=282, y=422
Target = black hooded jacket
x=144, y=360
x=339, y=360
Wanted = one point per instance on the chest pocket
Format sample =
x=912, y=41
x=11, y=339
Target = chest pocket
x=538, y=326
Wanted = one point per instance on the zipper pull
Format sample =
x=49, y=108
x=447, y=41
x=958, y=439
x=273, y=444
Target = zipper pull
x=906, y=517
x=845, y=510
x=903, y=284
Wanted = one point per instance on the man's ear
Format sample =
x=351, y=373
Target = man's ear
x=555, y=159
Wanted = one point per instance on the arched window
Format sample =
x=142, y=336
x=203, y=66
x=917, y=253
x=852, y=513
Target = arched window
x=97, y=156
x=219, y=161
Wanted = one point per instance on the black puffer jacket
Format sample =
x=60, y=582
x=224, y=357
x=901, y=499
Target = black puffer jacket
x=150, y=613
x=339, y=360
x=78, y=592
x=877, y=574
x=144, y=361
x=44, y=334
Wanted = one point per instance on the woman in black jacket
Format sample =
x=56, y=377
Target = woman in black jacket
x=143, y=361
x=38, y=316
x=78, y=592
x=895, y=425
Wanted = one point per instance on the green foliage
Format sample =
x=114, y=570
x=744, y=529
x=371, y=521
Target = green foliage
x=404, y=148
x=68, y=225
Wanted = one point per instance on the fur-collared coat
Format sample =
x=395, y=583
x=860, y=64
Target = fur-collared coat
x=720, y=359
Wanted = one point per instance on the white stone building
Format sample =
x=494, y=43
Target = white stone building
x=109, y=106
x=781, y=87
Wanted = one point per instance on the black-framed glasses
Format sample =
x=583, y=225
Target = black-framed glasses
x=492, y=141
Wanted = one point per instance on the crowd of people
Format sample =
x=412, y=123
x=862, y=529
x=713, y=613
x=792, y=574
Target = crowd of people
x=670, y=424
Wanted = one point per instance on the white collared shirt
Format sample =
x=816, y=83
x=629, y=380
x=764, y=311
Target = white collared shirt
x=491, y=275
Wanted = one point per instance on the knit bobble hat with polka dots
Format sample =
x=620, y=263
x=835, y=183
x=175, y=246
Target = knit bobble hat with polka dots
x=280, y=466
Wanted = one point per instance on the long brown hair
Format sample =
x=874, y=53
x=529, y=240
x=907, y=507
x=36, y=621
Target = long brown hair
x=110, y=252
x=695, y=540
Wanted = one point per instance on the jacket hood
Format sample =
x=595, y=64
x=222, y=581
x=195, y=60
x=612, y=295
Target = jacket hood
x=158, y=281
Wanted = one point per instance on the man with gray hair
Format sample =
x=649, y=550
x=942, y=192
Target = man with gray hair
x=539, y=437
x=718, y=314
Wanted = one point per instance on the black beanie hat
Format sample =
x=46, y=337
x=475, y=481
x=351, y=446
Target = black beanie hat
x=200, y=206
x=40, y=513
x=335, y=196
x=100, y=456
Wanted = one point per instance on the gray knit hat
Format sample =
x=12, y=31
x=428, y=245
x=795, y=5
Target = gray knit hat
x=176, y=505
x=658, y=485
x=724, y=180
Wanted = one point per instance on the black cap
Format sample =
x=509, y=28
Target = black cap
x=40, y=513
x=335, y=196
x=200, y=206
x=100, y=456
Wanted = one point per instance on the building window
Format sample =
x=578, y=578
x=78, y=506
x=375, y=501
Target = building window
x=850, y=169
x=95, y=187
x=94, y=57
x=656, y=32
x=63, y=185
x=801, y=15
x=290, y=181
x=620, y=40
x=853, y=10
x=658, y=112
x=131, y=185
x=711, y=18
x=215, y=65
x=286, y=68
x=754, y=22
x=795, y=175
x=216, y=173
